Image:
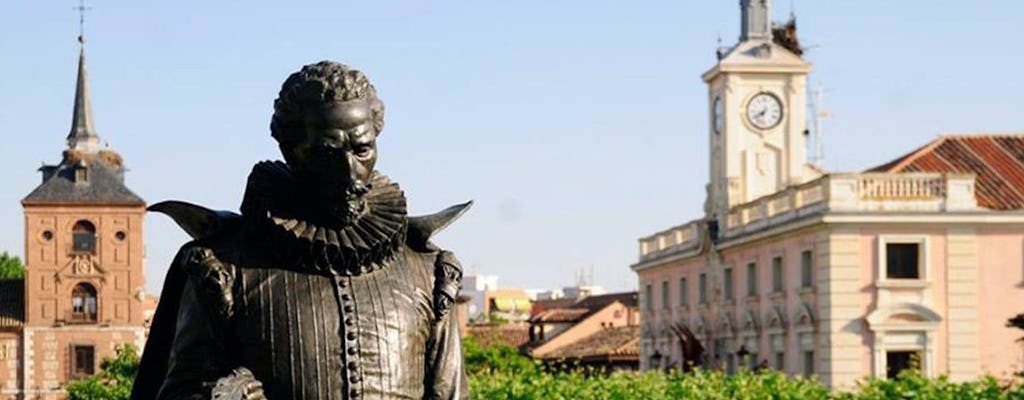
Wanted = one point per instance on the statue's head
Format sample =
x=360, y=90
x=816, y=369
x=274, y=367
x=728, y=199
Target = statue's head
x=326, y=121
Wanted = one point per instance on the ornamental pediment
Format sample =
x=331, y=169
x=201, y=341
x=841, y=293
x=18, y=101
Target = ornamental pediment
x=81, y=266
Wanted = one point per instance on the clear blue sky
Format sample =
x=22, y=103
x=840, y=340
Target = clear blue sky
x=577, y=127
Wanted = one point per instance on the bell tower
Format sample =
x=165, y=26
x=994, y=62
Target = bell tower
x=757, y=101
x=83, y=256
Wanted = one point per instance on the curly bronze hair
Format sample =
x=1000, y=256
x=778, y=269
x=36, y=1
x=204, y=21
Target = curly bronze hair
x=316, y=85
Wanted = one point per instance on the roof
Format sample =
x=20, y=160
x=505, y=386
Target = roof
x=83, y=133
x=594, y=303
x=617, y=341
x=539, y=306
x=12, y=303
x=105, y=184
x=488, y=336
x=560, y=315
x=580, y=309
x=996, y=160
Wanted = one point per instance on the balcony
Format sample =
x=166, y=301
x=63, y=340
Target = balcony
x=834, y=193
x=80, y=318
x=869, y=192
x=673, y=240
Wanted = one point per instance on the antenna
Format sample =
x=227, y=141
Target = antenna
x=819, y=114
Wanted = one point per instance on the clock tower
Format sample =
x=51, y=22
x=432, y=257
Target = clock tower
x=757, y=97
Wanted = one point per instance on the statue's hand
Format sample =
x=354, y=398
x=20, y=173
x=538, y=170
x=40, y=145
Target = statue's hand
x=240, y=385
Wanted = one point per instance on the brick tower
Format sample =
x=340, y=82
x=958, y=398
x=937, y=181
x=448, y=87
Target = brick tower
x=84, y=260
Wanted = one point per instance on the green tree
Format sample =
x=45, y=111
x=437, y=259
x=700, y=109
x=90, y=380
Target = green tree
x=11, y=266
x=114, y=382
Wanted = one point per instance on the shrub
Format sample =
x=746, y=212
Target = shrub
x=713, y=385
x=114, y=382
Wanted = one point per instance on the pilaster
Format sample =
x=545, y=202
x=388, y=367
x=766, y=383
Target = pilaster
x=962, y=302
x=837, y=281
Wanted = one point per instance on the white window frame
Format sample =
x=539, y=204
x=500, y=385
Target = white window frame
x=923, y=261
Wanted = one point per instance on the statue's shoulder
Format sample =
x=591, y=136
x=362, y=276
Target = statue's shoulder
x=199, y=222
x=423, y=227
x=210, y=231
x=447, y=270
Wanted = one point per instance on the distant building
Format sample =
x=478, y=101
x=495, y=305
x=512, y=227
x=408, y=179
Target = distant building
x=475, y=288
x=508, y=305
x=541, y=294
x=599, y=331
x=486, y=301
x=840, y=275
x=82, y=294
x=579, y=292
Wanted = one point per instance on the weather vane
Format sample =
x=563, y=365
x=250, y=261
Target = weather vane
x=81, y=19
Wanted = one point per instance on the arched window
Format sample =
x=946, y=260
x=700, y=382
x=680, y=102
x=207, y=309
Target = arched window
x=83, y=303
x=83, y=237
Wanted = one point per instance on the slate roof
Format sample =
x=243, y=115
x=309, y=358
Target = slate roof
x=617, y=341
x=996, y=160
x=105, y=186
x=12, y=303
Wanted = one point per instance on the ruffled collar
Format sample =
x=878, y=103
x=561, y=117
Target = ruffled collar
x=368, y=243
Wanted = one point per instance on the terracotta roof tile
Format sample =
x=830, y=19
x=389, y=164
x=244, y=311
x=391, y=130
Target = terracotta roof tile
x=487, y=336
x=622, y=340
x=579, y=309
x=996, y=160
x=540, y=306
x=594, y=303
x=561, y=315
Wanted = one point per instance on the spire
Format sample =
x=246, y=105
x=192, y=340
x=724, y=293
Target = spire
x=755, y=20
x=83, y=135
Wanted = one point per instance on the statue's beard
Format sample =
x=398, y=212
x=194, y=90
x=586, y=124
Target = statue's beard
x=338, y=204
x=353, y=206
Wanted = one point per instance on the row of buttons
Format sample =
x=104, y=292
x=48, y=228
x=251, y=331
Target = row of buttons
x=351, y=344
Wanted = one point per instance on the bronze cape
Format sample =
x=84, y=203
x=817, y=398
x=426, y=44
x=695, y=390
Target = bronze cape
x=362, y=311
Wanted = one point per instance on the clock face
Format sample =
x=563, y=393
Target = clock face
x=719, y=118
x=764, y=110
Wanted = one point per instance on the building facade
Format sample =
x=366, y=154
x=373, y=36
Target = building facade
x=82, y=293
x=916, y=262
x=599, y=331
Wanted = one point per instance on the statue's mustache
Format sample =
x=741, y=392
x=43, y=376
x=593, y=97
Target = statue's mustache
x=357, y=189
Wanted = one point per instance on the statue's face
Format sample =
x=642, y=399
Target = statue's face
x=337, y=153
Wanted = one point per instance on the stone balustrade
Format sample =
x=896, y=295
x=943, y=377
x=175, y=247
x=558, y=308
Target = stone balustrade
x=866, y=192
x=674, y=239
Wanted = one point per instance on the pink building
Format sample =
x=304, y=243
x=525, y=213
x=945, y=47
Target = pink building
x=839, y=275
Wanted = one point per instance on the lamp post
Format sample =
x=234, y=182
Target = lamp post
x=656, y=359
x=742, y=353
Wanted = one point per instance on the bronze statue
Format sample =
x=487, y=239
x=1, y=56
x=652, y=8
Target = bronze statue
x=323, y=287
